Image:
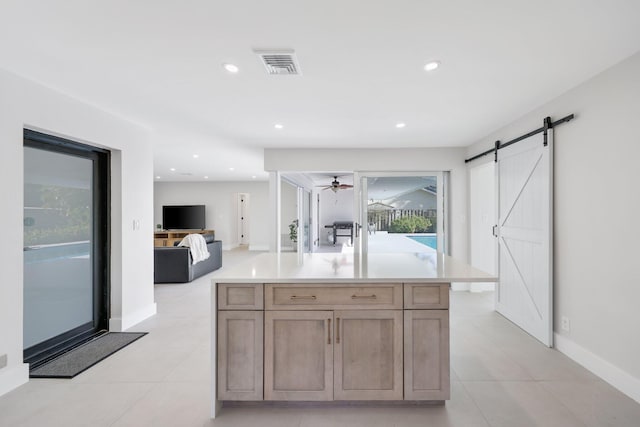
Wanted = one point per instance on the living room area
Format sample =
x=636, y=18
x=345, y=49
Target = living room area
x=383, y=130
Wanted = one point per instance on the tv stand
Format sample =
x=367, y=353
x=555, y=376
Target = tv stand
x=169, y=237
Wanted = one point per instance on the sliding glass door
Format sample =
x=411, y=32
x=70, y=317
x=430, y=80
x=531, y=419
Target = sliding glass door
x=65, y=244
x=401, y=212
x=305, y=219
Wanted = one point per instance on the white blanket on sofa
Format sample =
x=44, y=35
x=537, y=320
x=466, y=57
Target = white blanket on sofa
x=197, y=246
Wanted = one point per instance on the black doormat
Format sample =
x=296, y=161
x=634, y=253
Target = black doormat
x=81, y=358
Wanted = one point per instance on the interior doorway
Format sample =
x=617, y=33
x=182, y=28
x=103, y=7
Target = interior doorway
x=66, y=244
x=482, y=218
x=242, y=200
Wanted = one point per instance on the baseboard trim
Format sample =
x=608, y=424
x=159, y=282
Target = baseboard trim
x=620, y=379
x=121, y=324
x=13, y=377
x=258, y=247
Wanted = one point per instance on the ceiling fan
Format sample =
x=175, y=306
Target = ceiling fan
x=335, y=185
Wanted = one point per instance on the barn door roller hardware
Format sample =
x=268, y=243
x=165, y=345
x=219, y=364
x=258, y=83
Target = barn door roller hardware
x=547, y=124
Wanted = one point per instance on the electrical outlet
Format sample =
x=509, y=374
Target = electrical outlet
x=565, y=324
x=3, y=361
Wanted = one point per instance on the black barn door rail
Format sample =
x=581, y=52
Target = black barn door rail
x=548, y=124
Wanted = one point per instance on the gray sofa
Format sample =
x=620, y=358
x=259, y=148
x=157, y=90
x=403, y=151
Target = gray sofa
x=173, y=264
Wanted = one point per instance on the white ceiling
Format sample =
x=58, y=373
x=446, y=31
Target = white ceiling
x=158, y=63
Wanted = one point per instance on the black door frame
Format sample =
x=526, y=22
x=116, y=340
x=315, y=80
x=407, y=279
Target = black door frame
x=42, y=352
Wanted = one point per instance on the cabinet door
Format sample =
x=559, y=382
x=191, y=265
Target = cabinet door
x=240, y=355
x=426, y=355
x=368, y=355
x=298, y=355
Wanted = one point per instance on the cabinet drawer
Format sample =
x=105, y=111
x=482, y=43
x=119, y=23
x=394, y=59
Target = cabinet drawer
x=240, y=296
x=329, y=296
x=426, y=296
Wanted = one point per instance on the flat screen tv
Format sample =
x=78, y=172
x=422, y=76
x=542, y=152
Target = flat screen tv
x=183, y=217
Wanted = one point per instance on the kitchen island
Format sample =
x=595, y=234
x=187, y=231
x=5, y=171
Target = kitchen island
x=334, y=327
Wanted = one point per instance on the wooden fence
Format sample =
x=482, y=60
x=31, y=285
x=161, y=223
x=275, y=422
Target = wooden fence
x=380, y=220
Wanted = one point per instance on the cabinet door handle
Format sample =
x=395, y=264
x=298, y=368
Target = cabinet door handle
x=364, y=296
x=297, y=297
x=329, y=332
x=338, y=330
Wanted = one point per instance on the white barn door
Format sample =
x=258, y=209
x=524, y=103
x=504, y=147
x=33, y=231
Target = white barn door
x=524, y=177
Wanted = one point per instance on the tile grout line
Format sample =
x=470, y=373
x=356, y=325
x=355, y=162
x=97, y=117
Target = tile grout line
x=484, y=417
x=133, y=403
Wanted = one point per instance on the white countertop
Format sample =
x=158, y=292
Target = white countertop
x=337, y=267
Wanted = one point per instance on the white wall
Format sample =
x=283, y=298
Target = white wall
x=336, y=206
x=597, y=205
x=388, y=160
x=27, y=104
x=221, y=208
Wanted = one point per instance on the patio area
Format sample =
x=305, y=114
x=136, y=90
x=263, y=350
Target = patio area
x=382, y=242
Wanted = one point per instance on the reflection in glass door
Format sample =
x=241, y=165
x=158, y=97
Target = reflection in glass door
x=64, y=245
x=402, y=213
x=306, y=220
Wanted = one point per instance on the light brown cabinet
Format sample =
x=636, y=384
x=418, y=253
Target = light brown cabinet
x=368, y=355
x=240, y=296
x=331, y=296
x=426, y=355
x=298, y=355
x=327, y=355
x=169, y=238
x=240, y=355
x=380, y=341
x=240, y=341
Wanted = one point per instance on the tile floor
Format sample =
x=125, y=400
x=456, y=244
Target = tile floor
x=500, y=377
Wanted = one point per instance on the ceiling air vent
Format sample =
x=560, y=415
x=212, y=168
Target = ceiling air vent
x=279, y=62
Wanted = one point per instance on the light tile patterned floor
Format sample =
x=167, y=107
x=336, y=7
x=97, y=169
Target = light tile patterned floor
x=500, y=377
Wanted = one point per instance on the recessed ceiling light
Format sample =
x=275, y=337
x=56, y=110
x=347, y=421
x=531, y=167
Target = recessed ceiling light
x=431, y=65
x=400, y=125
x=278, y=126
x=253, y=177
x=232, y=169
x=172, y=169
x=158, y=177
x=206, y=177
x=231, y=68
x=195, y=156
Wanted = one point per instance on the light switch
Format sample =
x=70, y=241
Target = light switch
x=3, y=361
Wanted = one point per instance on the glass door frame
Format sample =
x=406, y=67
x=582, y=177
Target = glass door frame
x=304, y=199
x=360, y=235
x=101, y=248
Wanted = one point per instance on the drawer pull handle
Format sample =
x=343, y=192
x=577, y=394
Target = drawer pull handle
x=329, y=332
x=364, y=296
x=296, y=297
x=338, y=330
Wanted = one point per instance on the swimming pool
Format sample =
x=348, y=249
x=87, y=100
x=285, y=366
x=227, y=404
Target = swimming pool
x=431, y=241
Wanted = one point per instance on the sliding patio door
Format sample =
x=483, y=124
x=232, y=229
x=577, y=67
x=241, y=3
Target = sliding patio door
x=400, y=212
x=65, y=244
